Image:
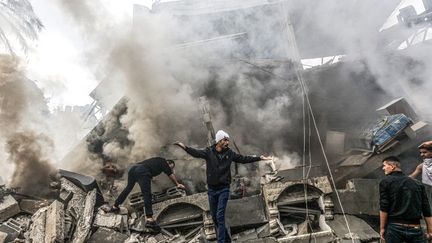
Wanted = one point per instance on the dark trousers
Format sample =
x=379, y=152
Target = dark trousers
x=397, y=234
x=138, y=174
x=218, y=200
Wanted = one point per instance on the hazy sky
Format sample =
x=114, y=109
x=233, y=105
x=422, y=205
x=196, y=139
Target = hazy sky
x=57, y=63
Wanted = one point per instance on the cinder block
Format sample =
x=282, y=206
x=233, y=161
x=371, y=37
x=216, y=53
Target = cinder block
x=12, y=229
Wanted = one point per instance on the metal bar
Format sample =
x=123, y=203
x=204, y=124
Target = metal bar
x=194, y=231
x=181, y=219
x=164, y=231
x=298, y=200
x=298, y=210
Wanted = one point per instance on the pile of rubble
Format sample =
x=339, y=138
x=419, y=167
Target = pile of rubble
x=286, y=210
x=75, y=216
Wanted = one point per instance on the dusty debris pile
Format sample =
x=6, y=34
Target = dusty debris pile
x=74, y=216
x=286, y=210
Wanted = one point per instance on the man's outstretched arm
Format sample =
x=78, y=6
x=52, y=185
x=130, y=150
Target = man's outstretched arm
x=244, y=159
x=197, y=153
x=173, y=178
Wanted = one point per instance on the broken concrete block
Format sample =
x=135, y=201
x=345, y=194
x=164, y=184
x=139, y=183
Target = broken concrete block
x=253, y=207
x=136, y=201
x=65, y=196
x=69, y=225
x=30, y=206
x=398, y=106
x=78, y=197
x=363, y=231
x=3, y=237
x=37, y=228
x=245, y=236
x=133, y=238
x=12, y=228
x=85, y=220
x=361, y=196
x=8, y=208
x=109, y=220
x=54, y=224
x=416, y=128
x=86, y=183
x=107, y=236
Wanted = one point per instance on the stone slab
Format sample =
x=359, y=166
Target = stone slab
x=8, y=208
x=107, y=236
x=54, y=225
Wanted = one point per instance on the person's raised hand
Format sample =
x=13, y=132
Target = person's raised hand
x=262, y=157
x=180, y=144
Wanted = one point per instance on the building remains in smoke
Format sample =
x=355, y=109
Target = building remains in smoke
x=238, y=65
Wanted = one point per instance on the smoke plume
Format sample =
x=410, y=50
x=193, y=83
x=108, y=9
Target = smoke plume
x=28, y=151
x=244, y=64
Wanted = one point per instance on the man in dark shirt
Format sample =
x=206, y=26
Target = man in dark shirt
x=403, y=201
x=142, y=173
x=218, y=159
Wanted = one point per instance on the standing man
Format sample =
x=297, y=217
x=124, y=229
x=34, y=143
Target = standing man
x=142, y=173
x=425, y=168
x=403, y=201
x=218, y=159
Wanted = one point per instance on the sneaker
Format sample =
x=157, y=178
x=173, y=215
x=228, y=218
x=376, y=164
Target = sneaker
x=153, y=226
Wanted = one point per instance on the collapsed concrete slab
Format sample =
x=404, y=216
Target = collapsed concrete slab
x=361, y=197
x=363, y=232
x=287, y=194
x=107, y=235
x=8, y=208
x=251, y=207
x=86, y=218
x=37, y=228
x=110, y=220
x=30, y=206
x=76, y=202
x=86, y=183
x=54, y=223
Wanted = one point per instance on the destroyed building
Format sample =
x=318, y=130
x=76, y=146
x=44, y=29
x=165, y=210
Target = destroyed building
x=331, y=197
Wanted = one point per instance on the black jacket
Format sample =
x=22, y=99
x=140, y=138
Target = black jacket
x=218, y=165
x=403, y=198
x=155, y=166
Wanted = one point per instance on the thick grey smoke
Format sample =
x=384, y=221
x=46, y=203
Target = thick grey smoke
x=28, y=151
x=24, y=153
x=163, y=65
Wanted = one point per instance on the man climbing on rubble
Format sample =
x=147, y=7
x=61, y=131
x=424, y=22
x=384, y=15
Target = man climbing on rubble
x=218, y=159
x=403, y=201
x=425, y=168
x=142, y=173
